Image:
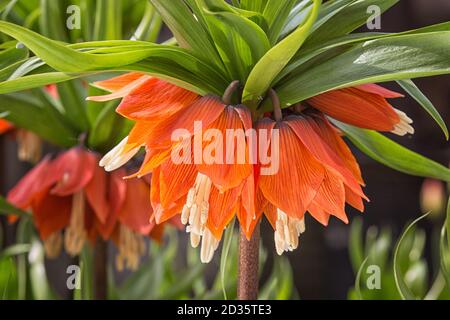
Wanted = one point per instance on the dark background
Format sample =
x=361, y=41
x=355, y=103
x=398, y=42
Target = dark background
x=321, y=265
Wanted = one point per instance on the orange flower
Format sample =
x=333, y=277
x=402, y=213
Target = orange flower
x=317, y=172
x=364, y=106
x=5, y=126
x=323, y=174
x=71, y=193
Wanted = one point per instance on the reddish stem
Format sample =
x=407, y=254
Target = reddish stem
x=248, y=266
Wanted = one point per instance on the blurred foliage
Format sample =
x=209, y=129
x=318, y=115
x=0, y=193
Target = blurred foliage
x=164, y=274
x=400, y=273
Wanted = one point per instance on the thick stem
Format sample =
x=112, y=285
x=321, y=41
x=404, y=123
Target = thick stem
x=248, y=266
x=100, y=269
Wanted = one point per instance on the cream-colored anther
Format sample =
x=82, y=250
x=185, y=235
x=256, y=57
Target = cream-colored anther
x=287, y=232
x=76, y=234
x=404, y=126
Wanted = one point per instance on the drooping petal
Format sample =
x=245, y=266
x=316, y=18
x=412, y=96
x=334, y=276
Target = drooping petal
x=306, y=130
x=117, y=189
x=357, y=107
x=120, y=92
x=188, y=122
x=160, y=213
x=75, y=168
x=354, y=199
x=33, y=182
x=331, y=196
x=298, y=179
x=119, y=82
x=247, y=213
x=319, y=214
x=329, y=134
x=97, y=194
x=136, y=210
x=5, y=126
x=175, y=181
x=51, y=213
x=222, y=208
x=155, y=99
x=379, y=90
x=227, y=161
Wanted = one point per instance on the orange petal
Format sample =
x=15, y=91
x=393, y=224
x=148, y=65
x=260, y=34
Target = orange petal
x=307, y=131
x=154, y=100
x=121, y=92
x=319, y=214
x=222, y=208
x=175, y=181
x=191, y=120
x=153, y=159
x=22, y=194
x=354, y=199
x=227, y=163
x=136, y=210
x=119, y=82
x=247, y=214
x=329, y=134
x=298, y=179
x=51, y=213
x=331, y=196
x=358, y=108
x=376, y=89
x=5, y=126
x=96, y=194
x=75, y=168
x=116, y=196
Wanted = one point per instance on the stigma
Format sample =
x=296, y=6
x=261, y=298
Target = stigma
x=287, y=232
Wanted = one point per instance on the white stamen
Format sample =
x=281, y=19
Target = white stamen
x=287, y=232
x=195, y=216
x=117, y=157
x=209, y=246
x=404, y=126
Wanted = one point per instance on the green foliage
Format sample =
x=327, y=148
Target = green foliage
x=385, y=272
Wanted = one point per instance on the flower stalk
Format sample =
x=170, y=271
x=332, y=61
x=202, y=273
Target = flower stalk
x=100, y=269
x=248, y=266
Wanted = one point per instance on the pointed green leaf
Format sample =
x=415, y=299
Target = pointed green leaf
x=405, y=292
x=393, y=155
x=422, y=99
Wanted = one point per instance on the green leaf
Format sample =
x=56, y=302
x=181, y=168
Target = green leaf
x=228, y=239
x=385, y=59
x=276, y=14
x=52, y=23
x=444, y=249
x=240, y=42
x=415, y=92
x=108, y=20
x=393, y=155
x=358, y=279
x=271, y=64
x=356, y=248
x=188, y=31
x=8, y=209
x=72, y=98
x=46, y=121
x=254, y=5
x=10, y=54
x=352, y=15
x=405, y=292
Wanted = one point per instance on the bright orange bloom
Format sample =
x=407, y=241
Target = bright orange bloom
x=71, y=193
x=5, y=126
x=364, y=106
x=317, y=172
